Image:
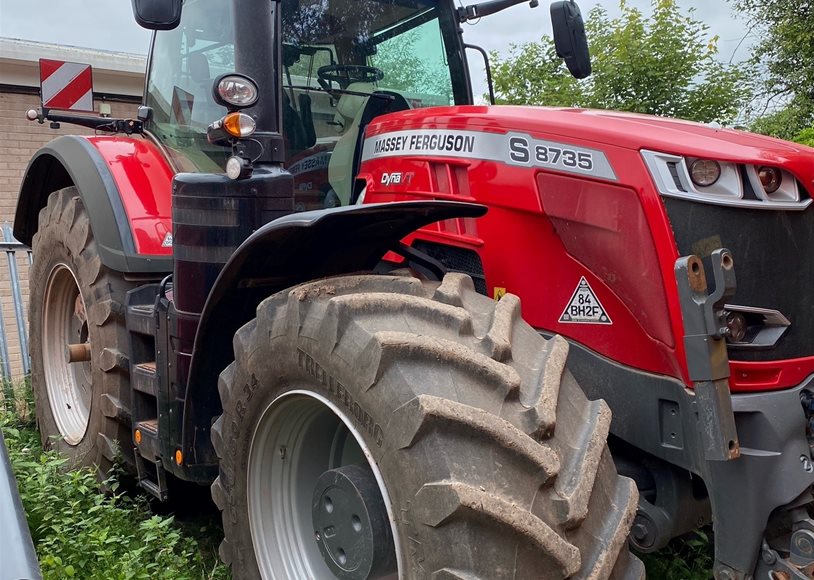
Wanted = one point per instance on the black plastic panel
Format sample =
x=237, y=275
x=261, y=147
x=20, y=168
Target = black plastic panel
x=457, y=260
x=773, y=264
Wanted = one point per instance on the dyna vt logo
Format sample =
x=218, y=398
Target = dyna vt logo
x=397, y=178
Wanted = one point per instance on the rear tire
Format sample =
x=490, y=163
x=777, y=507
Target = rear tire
x=453, y=399
x=82, y=407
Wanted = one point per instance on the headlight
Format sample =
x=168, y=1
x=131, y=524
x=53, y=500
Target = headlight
x=724, y=182
x=705, y=172
x=775, y=185
x=770, y=178
x=235, y=91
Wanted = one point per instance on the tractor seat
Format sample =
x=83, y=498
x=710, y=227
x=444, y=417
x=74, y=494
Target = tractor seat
x=199, y=70
x=349, y=106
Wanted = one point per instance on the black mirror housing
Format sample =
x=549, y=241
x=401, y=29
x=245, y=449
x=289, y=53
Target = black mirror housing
x=157, y=14
x=569, y=37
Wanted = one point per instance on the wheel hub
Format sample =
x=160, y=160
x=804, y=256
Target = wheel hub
x=351, y=526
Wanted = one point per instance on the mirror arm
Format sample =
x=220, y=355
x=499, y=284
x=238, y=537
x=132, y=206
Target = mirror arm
x=485, y=56
x=127, y=126
x=475, y=11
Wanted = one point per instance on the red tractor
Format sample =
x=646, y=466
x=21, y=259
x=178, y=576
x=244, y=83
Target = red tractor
x=344, y=379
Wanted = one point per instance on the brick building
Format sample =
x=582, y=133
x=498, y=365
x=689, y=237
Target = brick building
x=118, y=80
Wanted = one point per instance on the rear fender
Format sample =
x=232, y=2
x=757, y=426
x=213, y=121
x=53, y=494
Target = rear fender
x=282, y=254
x=125, y=184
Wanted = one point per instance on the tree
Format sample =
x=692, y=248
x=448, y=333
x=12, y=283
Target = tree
x=786, y=122
x=663, y=65
x=785, y=55
x=413, y=65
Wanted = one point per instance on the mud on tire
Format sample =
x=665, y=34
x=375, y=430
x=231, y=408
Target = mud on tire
x=495, y=464
x=64, y=247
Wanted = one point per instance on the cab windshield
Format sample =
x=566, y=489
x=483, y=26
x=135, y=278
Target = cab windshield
x=335, y=54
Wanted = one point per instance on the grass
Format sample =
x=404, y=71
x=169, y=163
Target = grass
x=687, y=558
x=79, y=532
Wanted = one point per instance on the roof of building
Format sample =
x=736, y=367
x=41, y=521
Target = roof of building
x=113, y=72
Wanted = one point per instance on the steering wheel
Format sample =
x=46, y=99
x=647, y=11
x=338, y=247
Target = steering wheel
x=345, y=74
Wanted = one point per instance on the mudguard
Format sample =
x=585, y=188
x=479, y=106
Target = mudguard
x=125, y=184
x=286, y=252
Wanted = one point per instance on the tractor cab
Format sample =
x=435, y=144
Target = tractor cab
x=334, y=67
x=339, y=65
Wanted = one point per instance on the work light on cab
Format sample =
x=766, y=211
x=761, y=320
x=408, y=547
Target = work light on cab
x=238, y=167
x=705, y=172
x=771, y=178
x=235, y=91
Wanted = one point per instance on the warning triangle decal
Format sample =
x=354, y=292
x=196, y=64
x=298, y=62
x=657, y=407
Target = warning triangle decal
x=584, y=307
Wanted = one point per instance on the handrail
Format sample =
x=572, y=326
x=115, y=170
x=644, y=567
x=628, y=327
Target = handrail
x=18, y=560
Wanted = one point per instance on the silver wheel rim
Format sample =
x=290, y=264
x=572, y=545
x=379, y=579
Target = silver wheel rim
x=299, y=436
x=64, y=321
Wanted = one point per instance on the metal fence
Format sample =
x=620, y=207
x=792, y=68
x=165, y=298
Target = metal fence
x=12, y=248
x=17, y=556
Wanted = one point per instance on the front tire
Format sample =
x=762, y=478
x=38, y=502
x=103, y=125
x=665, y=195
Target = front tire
x=82, y=407
x=489, y=460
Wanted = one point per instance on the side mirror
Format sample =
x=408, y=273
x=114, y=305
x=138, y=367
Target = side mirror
x=157, y=14
x=569, y=37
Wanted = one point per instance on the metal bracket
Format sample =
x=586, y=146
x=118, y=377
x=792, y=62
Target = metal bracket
x=127, y=126
x=703, y=314
x=705, y=346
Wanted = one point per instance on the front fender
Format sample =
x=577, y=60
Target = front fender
x=125, y=184
x=282, y=254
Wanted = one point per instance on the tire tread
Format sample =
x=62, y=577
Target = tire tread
x=384, y=326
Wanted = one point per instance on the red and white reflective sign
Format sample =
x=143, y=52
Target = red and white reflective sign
x=66, y=85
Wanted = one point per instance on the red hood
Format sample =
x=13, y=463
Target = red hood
x=627, y=130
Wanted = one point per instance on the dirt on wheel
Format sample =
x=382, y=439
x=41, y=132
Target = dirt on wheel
x=492, y=462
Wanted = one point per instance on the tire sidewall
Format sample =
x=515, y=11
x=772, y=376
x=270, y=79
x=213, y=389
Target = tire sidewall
x=296, y=369
x=51, y=248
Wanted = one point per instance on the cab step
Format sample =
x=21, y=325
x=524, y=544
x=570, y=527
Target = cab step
x=144, y=378
x=141, y=319
x=145, y=434
x=152, y=477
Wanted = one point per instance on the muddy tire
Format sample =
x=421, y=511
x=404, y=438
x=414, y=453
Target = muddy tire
x=82, y=407
x=490, y=461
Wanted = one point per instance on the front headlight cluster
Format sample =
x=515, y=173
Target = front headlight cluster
x=725, y=183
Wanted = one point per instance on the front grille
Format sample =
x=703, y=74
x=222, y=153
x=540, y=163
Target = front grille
x=774, y=263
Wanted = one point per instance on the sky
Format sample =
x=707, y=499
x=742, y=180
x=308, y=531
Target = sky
x=109, y=25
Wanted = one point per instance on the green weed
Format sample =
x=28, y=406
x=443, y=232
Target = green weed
x=688, y=558
x=79, y=532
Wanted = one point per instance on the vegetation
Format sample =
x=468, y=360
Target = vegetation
x=80, y=533
x=784, y=54
x=664, y=65
x=687, y=558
